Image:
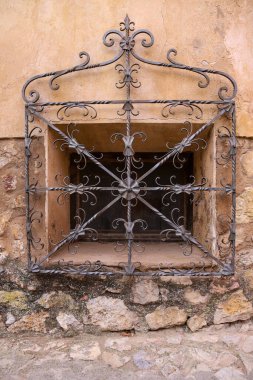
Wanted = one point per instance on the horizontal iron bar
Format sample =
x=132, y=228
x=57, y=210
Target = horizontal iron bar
x=134, y=101
x=69, y=189
x=146, y=188
x=117, y=273
x=193, y=188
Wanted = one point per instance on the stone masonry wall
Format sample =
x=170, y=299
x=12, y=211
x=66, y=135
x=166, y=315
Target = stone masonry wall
x=68, y=305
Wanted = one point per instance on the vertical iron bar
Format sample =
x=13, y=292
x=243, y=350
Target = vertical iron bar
x=27, y=195
x=233, y=158
x=128, y=158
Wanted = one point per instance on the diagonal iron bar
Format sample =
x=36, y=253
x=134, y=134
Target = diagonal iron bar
x=82, y=149
x=189, y=140
x=75, y=234
x=191, y=238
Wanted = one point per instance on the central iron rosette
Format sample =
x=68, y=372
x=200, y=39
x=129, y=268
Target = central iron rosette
x=129, y=189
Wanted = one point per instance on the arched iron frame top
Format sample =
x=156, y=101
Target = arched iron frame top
x=126, y=38
x=127, y=42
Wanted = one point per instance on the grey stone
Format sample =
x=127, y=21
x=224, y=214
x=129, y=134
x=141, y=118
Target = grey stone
x=202, y=337
x=195, y=297
x=175, y=338
x=165, y=366
x=176, y=376
x=3, y=257
x=225, y=359
x=166, y=317
x=4, y=221
x=229, y=373
x=231, y=340
x=119, y=344
x=114, y=360
x=114, y=290
x=247, y=360
x=246, y=258
x=145, y=292
x=68, y=322
x=184, y=280
x=10, y=319
x=32, y=349
x=204, y=356
x=57, y=300
x=204, y=375
x=196, y=322
x=201, y=367
x=4, y=160
x=247, y=344
x=165, y=294
x=90, y=351
x=111, y=314
x=142, y=360
x=235, y=308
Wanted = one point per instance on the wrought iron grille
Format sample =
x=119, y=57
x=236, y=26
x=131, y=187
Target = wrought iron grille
x=128, y=185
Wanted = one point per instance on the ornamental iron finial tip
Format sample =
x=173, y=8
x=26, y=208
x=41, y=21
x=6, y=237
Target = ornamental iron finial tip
x=127, y=21
x=127, y=24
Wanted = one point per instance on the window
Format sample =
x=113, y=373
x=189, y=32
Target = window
x=132, y=196
x=104, y=225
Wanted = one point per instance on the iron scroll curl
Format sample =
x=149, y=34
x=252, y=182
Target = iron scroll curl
x=128, y=43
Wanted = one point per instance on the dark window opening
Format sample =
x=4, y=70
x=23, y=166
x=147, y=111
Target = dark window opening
x=103, y=224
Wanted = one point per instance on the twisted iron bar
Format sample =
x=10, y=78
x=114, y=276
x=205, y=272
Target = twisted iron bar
x=77, y=232
x=186, y=142
x=181, y=231
x=70, y=141
x=69, y=268
x=172, y=102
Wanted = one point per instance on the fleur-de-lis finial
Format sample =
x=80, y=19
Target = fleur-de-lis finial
x=127, y=24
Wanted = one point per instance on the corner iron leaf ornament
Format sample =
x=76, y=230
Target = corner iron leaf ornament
x=131, y=181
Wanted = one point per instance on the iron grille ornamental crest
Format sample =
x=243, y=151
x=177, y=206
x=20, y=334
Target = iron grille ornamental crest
x=110, y=205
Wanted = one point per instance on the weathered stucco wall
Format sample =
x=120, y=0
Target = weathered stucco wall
x=41, y=36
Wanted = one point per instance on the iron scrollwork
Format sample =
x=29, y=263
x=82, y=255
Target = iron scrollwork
x=128, y=188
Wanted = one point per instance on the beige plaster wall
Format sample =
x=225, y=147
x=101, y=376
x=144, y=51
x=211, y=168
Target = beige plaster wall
x=43, y=35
